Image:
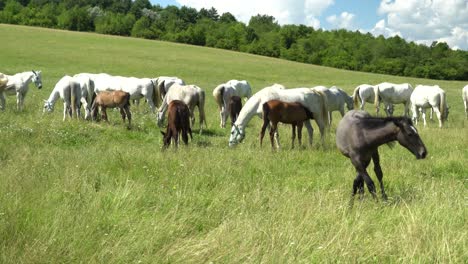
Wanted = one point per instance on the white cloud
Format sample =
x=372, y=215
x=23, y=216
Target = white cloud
x=425, y=21
x=381, y=28
x=285, y=11
x=345, y=20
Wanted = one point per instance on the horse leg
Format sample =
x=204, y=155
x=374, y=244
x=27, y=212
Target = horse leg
x=423, y=114
x=104, y=114
x=299, y=133
x=222, y=124
x=18, y=101
x=129, y=115
x=2, y=101
x=65, y=110
x=262, y=131
x=272, y=134
x=361, y=165
x=415, y=111
x=378, y=172
x=293, y=137
x=184, y=136
x=122, y=113
x=321, y=125
x=439, y=116
x=310, y=131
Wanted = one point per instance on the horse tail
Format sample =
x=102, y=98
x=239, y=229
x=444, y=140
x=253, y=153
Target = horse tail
x=356, y=97
x=377, y=96
x=161, y=90
x=201, y=109
x=218, y=93
x=442, y=106
x=155, y=96
x=266, y=112
x=74, y=95
x=324, y=107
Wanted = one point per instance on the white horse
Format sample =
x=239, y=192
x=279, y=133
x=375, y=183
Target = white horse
x=69, y=92
x=163, y=83
x=19, y=84
x=391, y=94
x=465, y=99
x=363, y=94
x=223, y=93
x=191, y=95
x=337, y=99
x=315, y=101
x=429, y=97
x=136, y=87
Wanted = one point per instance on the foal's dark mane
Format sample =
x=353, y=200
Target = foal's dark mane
x=376, y=122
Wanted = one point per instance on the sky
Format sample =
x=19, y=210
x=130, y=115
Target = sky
x=421, y=21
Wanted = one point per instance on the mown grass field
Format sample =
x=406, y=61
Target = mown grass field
x=81, y=192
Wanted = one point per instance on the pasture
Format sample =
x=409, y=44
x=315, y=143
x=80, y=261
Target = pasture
x=77, y=191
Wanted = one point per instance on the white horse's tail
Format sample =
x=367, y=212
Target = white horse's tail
x=201, y=110
x=156, y=95
x=73, y=85
x=324, y=107
x=377, y=97
x=356, y=97
x=218, y=95
x=442, y=107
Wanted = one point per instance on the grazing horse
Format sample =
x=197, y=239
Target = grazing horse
x=136, y=87
x=223, y=92
x=19, y=84
x=235, y=106
x=163, y=83
x=465, y=99
x=191, y=95
x=112, y=99
x=358, y=137
x=276, y=111
x=391, y=94
x=337, y=99
x=363, y=94
x=429, y=97
x=315, y=101
x=69, y=92
x=178, y=123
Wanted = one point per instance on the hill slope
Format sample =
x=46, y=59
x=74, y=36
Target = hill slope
x=76, y=191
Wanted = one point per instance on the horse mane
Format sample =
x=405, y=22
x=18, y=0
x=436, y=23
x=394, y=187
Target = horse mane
x=371, y=122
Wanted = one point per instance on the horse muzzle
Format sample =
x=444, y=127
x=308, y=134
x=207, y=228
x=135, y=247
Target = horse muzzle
x=421, y=154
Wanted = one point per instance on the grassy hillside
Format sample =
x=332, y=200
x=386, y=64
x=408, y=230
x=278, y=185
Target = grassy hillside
x=77, y=191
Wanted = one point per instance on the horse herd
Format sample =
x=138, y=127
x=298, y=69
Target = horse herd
x=358, y=135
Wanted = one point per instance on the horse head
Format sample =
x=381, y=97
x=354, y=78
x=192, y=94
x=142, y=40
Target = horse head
x=237, y=135
x=48, y=107
x=409, y=138
x=160, y=118
x=37, y=79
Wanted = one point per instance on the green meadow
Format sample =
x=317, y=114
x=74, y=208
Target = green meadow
x=83, y=192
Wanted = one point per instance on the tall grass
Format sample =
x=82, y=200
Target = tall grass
x=77, y=191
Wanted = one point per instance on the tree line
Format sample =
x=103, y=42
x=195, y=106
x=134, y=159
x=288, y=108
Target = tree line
x=262, y=35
